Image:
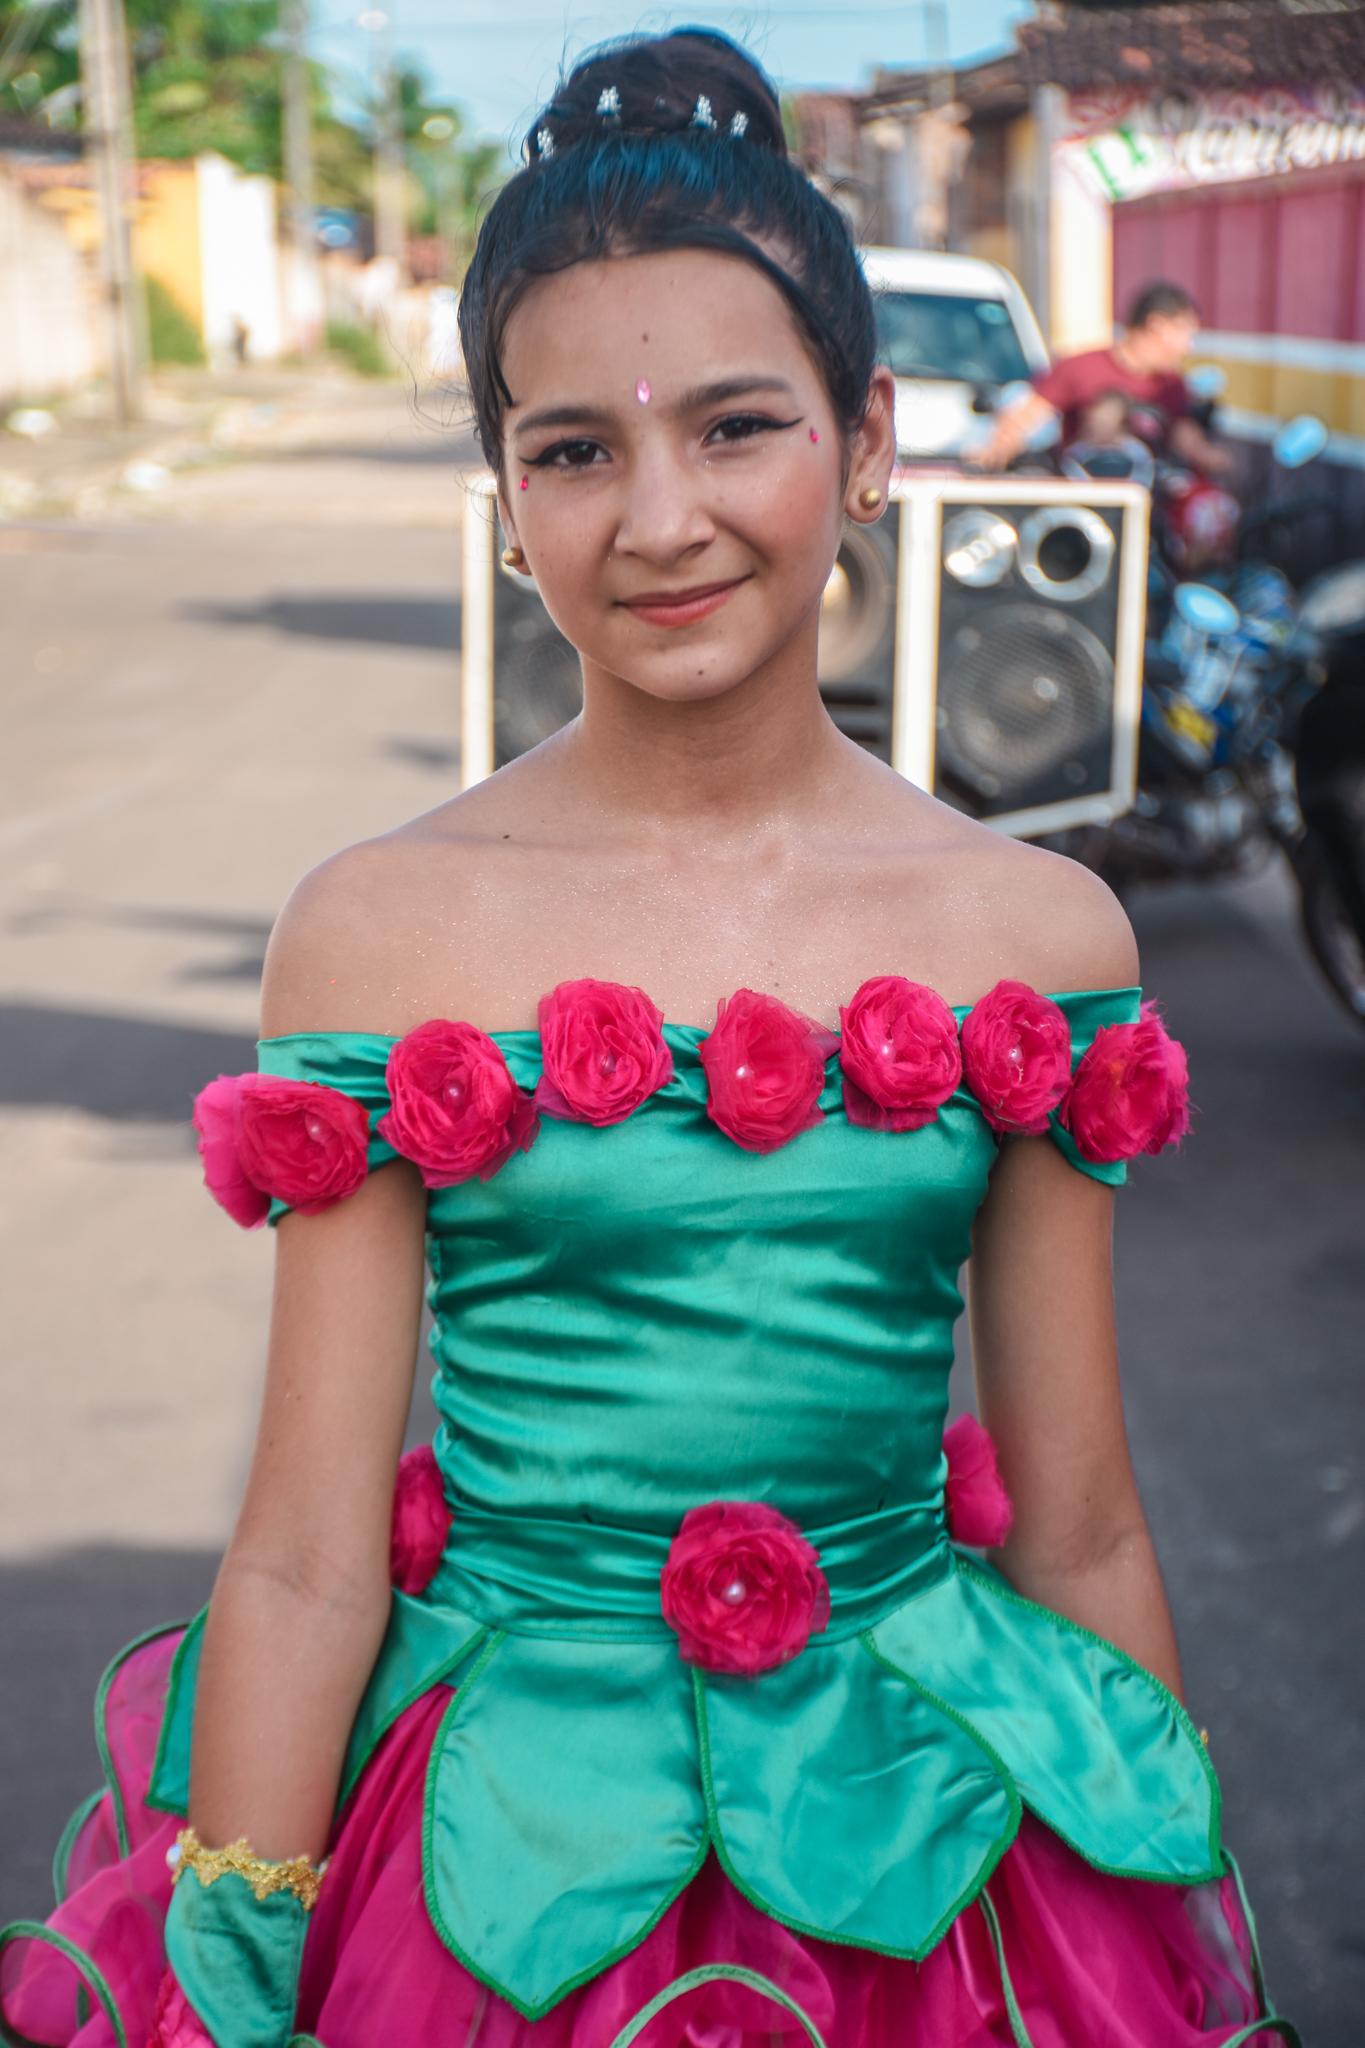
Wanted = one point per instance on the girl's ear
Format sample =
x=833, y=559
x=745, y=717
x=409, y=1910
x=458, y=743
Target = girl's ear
x=874, y=444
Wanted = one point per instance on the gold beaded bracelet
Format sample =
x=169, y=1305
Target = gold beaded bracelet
x=295, y=1874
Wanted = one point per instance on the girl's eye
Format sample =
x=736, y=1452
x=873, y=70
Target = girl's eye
x=749, y=424
x=572, y=450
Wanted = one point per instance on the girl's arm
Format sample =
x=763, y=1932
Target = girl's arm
x=1040, y=1300
x=1045, y=1355
x=302, y=1597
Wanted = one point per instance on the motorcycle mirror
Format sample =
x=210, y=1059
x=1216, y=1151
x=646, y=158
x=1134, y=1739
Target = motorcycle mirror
x=1206, y=609
x=1207, y=380
x=1299, y=441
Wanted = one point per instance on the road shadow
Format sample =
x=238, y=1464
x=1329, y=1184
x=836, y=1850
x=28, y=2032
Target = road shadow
x=74, y=1611
x=129, y=1069
x=457, y=453
x=429, y=624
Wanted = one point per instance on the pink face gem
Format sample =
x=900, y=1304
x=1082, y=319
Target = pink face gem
x=525, y=482
x=814, y=435
x=642, y=391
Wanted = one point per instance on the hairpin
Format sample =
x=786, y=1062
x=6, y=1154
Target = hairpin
x=738, y=123
x=545, y=142
x=702, y=117
x=609, y=101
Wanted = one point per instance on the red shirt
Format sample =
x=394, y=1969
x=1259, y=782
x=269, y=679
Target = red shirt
x=1156, y=397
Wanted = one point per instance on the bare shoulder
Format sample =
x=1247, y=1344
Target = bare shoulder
x=363, y=940
x=1071, y=929
x=1042, y=917
x=325, y=947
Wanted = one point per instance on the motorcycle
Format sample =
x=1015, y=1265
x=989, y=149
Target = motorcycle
x=1252, y=735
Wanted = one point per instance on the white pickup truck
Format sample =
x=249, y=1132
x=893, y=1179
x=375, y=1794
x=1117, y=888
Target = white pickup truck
x=959, y=336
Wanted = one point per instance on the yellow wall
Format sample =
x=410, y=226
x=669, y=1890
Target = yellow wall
x=1282, y=389
x=165, y=229
x=166, y=235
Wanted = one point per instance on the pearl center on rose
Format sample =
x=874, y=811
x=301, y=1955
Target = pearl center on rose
x=736, y=1591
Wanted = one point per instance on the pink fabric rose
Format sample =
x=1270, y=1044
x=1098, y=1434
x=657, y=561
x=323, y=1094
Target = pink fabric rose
x=262, y=1134
x=742, y=1587
x=215, y=1124
x=899, y=1054
x=421, y=1521
x=456, y=1111
x=1016, y=1054
x=603, y=1050
x=303, y=1141
x=978, y=1508
x=175, y=2024
x=1130, y=1093
x=765, y=1068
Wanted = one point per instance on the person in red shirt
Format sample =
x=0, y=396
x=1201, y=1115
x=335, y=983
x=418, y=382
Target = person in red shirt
x=1142, y=370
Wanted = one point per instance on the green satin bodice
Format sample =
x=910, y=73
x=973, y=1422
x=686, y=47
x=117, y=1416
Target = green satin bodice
x=630, y=1320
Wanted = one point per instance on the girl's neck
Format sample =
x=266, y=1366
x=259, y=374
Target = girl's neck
x=760, y=751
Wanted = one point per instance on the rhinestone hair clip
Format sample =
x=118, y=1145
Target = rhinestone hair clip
x=609, y=109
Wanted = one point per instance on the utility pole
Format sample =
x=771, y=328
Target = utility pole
x=390, y=199
x=306, y=292
x=105, y=95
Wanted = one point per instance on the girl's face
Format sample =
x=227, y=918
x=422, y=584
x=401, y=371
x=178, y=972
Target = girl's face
x=672, y=466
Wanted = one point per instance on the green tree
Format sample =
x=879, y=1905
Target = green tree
x=207, y=74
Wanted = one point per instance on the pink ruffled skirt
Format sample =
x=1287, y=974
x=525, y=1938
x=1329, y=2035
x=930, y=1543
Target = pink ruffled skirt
x=1093, y=1961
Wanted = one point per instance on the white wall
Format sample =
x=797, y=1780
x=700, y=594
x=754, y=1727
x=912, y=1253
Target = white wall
x=1082, y=260
x=49, y=340
x=240, y=262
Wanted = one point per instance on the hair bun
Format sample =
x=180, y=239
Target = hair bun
x=693, y=81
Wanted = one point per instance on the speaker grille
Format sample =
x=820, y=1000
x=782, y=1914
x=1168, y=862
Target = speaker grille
x=1025, y=696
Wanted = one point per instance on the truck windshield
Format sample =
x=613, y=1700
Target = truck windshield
x=939, y=334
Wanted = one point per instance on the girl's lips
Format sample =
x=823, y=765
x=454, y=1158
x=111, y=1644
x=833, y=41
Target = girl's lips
x=685, y=610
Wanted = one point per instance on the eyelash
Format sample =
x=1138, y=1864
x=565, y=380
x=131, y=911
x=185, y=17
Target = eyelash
x=546, y=458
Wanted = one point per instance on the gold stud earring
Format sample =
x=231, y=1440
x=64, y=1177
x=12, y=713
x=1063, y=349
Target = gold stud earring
x=870, y=498
x=513, y=558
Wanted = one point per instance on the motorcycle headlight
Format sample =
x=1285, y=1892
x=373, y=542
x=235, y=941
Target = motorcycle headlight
x=1065, y=552
x=978, y=548
x=1335, y=602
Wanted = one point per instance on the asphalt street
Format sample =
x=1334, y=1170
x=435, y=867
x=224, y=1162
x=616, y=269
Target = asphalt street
x=202, y=701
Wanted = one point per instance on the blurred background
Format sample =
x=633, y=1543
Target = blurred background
x=236, y=479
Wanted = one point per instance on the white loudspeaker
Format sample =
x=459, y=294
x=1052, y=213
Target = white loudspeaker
x=984, y=637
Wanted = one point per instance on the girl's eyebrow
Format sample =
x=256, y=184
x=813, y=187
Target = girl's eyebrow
x=694, y=400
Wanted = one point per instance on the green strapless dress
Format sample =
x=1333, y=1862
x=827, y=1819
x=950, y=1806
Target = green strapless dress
x=633, y=1319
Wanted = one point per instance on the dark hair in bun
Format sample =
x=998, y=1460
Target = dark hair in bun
x=666, y=142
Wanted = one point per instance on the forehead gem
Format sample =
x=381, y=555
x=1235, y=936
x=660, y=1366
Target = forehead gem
x=643, y=392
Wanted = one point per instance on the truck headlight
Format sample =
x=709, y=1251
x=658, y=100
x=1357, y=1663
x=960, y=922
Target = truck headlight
x=979, y=548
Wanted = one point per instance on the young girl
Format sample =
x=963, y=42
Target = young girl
x=693, y=1688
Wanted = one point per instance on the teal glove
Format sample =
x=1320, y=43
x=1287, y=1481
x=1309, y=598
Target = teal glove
x=237, y=1958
